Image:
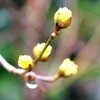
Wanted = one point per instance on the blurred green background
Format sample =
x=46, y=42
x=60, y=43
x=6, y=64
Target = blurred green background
x=24, y=23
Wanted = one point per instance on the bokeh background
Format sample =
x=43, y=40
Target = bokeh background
x=24, y=23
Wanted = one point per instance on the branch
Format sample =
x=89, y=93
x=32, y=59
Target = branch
x=28, y=76
x=9, y=67
x=48, y=78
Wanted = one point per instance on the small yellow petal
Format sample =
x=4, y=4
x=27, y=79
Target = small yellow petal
x=25, y=61
x=38, y=49
x=63, y=17
x=68, y=68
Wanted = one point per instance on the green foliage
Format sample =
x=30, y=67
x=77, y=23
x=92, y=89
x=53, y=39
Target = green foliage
x=10, y=87
x=10, y=51
x=64, y=95
x=93, y=73
x=90, y=13
x=91, y=6
x=54, y=6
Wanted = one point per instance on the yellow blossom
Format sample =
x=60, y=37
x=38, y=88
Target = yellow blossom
x=25, y=61
x=67, y=68
x=38, y=49
x=63, y=17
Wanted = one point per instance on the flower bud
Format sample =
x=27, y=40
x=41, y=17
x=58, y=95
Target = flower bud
x=25, y=61
x=67, y=68
x=62, y=18
x=38, y=49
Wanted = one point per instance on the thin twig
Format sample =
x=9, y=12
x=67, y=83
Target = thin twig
x=47, y=44
x=48, y=78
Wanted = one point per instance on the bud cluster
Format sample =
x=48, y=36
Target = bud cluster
x=42, y=51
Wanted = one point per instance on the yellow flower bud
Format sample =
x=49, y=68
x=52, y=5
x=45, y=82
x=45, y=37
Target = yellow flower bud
x=38, y=49
x=67, y=68
x=25, y=61
x=62, y=18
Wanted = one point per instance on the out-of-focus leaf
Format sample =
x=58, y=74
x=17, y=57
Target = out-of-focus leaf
x=10, y=51
x=58, y=95
x=92, y=6
x=10, y=87
x=54, y=7
x=93, y=72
